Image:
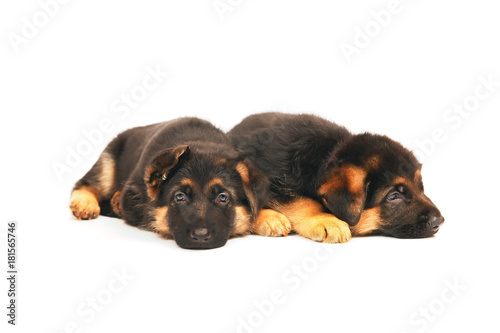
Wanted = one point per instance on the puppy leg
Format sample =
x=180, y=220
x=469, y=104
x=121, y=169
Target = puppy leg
x=309, y=219
x=271, y=223
x=115, y=203
x=133, y=207
x=97, y=185
x=84, y=204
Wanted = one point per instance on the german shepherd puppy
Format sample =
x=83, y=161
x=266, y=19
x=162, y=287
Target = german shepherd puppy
x=180, y=179
x=328, y=184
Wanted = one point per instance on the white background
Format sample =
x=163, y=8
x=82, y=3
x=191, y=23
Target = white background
x=259, y=56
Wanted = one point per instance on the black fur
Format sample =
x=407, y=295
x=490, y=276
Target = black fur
x=302, y=153
x=289, y=149
x=151, y=164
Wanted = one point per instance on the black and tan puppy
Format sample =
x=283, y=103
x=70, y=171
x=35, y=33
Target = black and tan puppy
x=370, y=183
x=181, y=179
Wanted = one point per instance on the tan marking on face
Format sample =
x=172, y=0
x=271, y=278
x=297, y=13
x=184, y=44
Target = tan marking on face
x=214, y=182
x=160, y=223
x=369, y=222
x=242, y=221
x=408, y=183
x=218, y=182
x=107, y=174
x=187, y=182
x=403, y=181
x=270, y=223
x=309, y=219
x=84, y=203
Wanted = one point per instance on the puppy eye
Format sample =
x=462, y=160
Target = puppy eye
x=223, y=198
x=393, y=196
x=180, y=197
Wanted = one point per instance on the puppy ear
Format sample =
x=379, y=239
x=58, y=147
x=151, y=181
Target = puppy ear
x=344, y=192
x=255, y=186
x=157, y=170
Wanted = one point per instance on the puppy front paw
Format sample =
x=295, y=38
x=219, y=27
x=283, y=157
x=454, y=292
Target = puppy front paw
x=324, y=228
x=271, y=224
x=84, y=205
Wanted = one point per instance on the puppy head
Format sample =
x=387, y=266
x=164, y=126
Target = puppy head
x=204, y=194
x=375, y=185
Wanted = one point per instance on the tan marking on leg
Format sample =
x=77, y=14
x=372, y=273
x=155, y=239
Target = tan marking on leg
x=160, y=223
x=271, y=223
x=369, y=222
x=84, y=204
x=115, y=203
x=242, y=221
x=309, y=219
x=107, y=175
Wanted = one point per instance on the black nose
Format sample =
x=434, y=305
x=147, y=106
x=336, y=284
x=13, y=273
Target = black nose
x=433, y=221
x=201, y=235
